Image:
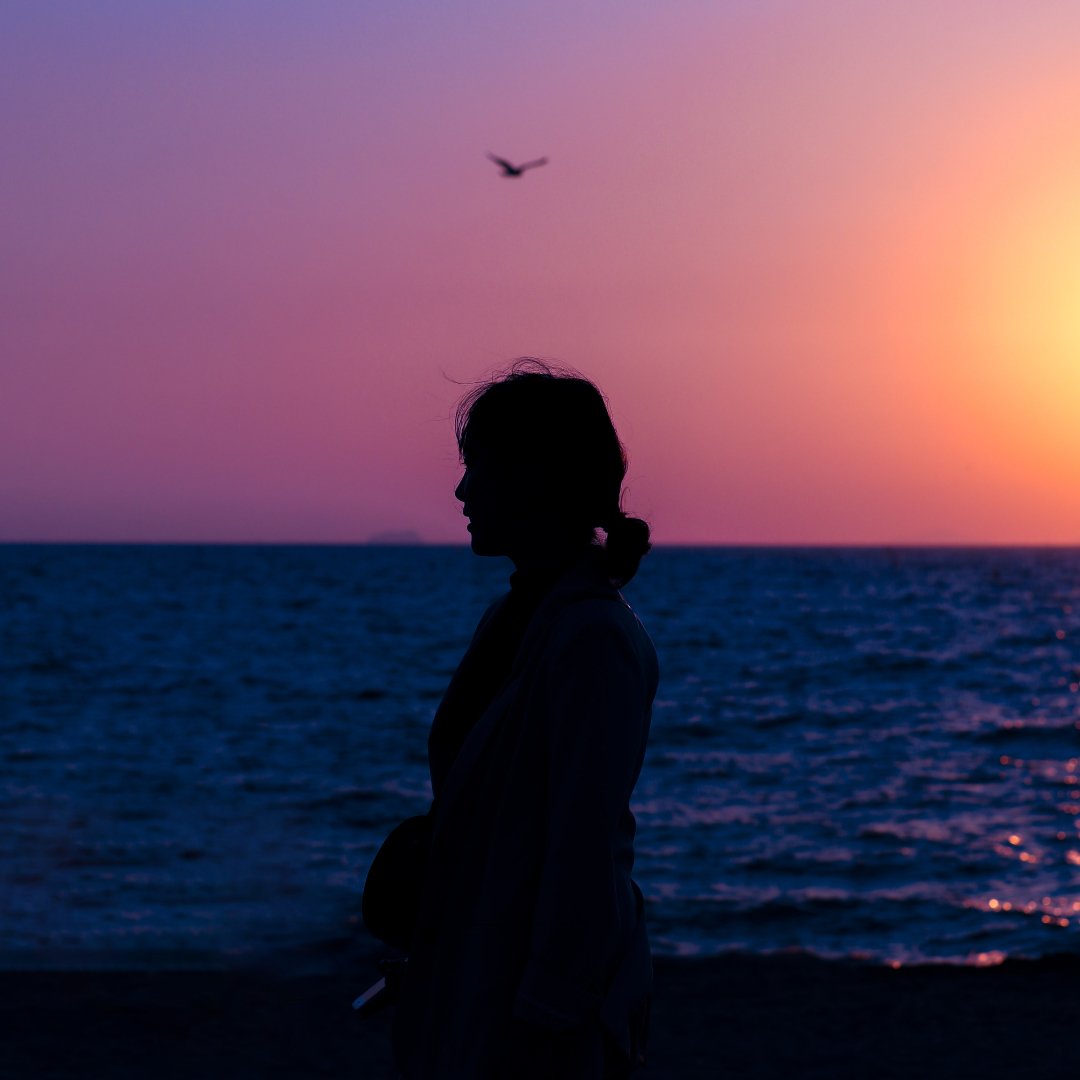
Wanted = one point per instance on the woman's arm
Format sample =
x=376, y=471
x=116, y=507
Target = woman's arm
x=596, y=703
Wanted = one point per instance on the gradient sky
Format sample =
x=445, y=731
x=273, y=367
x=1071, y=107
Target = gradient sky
x=823, y=258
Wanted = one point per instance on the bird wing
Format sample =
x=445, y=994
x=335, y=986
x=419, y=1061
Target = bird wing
x=500, y=161
x=533, y=164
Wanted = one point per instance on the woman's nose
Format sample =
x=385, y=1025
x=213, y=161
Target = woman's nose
x=459, y=491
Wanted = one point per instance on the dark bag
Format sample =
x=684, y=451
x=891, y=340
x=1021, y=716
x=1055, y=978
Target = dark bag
x=391, y=901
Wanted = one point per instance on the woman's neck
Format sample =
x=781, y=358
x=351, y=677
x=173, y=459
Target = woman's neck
x=548, y=558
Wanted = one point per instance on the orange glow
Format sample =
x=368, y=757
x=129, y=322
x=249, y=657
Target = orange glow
x=988, y=299
x=1015, y=322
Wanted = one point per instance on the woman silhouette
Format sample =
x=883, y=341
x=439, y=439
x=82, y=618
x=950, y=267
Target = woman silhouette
x=530, y=956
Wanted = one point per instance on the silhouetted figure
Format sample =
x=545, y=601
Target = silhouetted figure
x=516, y=170
x=530, y=956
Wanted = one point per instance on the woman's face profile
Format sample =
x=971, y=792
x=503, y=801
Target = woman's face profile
x=496, y=500
x=481, y=499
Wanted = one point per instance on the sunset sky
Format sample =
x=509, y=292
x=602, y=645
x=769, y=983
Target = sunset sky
x=823, y=258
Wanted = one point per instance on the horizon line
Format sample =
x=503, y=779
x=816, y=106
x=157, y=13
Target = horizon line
x=696, y=544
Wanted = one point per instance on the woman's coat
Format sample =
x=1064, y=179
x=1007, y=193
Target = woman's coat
x=529, y=909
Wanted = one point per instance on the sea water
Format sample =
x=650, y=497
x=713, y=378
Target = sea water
x=856, y=752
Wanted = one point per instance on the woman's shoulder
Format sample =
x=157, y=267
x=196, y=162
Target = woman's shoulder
x=598, y=636
x=594, y=610
x=586, y=600
x=597, y=621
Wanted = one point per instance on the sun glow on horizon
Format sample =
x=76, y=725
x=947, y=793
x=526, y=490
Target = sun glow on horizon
x=989, y=317
x=1016, y=328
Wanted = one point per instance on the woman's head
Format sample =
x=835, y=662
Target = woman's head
x=544, y=467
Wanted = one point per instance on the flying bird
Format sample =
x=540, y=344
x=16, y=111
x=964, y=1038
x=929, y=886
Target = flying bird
x=515, y=170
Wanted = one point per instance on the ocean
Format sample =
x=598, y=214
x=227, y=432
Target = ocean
x=855, y=752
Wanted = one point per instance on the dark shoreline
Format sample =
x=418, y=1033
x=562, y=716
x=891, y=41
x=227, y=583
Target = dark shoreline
x=790, y=1016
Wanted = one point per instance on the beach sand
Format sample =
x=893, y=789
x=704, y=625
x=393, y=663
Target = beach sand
x=788, y=1016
